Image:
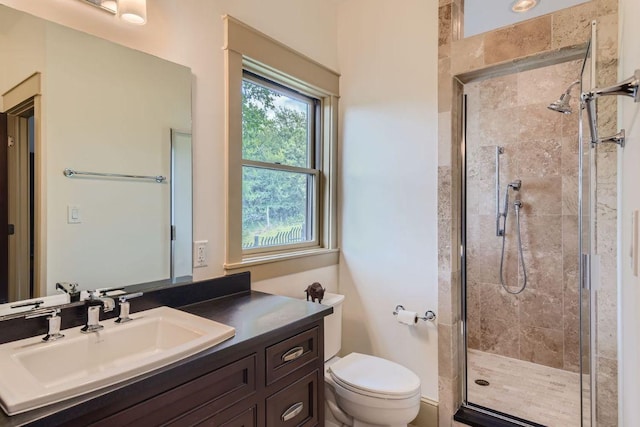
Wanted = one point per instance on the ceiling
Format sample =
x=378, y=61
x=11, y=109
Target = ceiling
x=485, y=15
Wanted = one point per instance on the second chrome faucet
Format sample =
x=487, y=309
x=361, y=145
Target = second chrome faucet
x=93, y=304
x=96, y=300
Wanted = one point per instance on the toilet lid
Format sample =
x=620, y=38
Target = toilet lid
x=374, y=376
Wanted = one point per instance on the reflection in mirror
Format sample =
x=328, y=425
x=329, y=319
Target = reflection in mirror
x=481, y=16
x=84, y=103
x=181, y=217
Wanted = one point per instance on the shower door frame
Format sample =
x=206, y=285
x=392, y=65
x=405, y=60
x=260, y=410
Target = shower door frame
x=584, y=266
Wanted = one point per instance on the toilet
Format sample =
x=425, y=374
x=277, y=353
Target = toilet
x=363, y=390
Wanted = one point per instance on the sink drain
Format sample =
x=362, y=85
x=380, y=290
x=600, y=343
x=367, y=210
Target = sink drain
x=483, y=383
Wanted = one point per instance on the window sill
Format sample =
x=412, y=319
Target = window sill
x=270, y=266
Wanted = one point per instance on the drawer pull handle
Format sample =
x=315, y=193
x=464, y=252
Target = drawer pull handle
x=293, y=410
x=292, y=354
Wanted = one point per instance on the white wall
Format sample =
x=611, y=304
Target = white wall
x=190, y=33
x=629, y=374
x=388, y=61
x=22, y=41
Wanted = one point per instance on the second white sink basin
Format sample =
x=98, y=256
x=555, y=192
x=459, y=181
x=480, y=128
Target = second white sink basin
x=37, y=373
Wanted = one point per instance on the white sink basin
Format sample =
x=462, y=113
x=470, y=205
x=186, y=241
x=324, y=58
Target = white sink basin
x=35, y=373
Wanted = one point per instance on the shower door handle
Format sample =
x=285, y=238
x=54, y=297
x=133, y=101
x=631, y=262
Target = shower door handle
x=585, y=275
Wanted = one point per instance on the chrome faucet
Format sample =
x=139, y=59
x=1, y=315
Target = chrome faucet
x=124, y=304
x=53, y=319
x=93, y=304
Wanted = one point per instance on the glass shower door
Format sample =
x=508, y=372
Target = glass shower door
x=588, y=259
x=528, y=176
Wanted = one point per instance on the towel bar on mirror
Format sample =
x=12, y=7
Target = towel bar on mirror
x=71, y=172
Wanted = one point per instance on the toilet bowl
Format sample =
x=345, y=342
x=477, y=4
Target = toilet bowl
x=363, y=390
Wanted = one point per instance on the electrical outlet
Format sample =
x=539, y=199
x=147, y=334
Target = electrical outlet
x=200, y=253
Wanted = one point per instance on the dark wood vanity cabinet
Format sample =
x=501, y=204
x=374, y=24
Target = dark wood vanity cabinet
x=279, y=383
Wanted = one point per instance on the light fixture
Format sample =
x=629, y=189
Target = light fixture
x=134, y=11
x=112, y=5
x=520, y=6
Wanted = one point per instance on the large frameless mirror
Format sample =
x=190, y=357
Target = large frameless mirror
x=103, y=113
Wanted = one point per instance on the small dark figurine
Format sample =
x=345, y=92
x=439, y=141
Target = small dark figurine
x=314, y=291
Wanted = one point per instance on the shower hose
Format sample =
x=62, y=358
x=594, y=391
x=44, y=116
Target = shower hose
x=516, y=206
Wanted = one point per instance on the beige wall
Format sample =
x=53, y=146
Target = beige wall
x=540, y=324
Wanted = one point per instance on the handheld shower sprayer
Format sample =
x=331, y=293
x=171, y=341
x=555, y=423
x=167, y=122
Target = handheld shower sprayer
x=515, y=186
x=501, y=224
x=517, y=205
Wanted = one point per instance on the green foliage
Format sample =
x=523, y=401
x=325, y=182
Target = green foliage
x=274, y=130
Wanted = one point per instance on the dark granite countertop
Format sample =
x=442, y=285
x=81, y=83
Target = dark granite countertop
x=255, y=315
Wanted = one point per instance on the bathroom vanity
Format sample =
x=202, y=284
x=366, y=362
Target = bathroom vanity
x=269, y=374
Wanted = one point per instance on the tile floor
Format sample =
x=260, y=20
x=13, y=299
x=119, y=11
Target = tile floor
x=537, y=393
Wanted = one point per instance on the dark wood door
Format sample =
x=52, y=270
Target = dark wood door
x=4, y=212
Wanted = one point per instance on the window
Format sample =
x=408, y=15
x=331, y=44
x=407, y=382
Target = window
x=281, y=151
x=279, y=171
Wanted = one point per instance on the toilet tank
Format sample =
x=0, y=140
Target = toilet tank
x=332, y=325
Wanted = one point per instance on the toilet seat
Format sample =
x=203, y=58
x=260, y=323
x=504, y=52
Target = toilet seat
x=374, y=377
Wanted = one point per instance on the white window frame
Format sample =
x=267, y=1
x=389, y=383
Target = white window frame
x=247, y=49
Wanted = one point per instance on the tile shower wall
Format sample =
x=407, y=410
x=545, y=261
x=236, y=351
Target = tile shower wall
x=460, y=60
x=539, y=325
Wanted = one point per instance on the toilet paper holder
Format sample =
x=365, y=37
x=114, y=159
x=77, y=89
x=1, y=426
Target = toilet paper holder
x=430, y=315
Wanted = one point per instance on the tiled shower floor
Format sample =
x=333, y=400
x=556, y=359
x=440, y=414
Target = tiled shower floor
x=527, y=390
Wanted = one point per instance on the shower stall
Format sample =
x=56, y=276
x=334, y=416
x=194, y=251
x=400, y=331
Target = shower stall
x=538, y=247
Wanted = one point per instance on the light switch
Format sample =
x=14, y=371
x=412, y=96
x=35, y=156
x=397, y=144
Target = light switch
x=73, y=214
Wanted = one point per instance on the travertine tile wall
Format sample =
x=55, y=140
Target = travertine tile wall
x=547, y=39
x=540, y=324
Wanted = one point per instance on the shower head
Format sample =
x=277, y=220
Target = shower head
x=562, y=104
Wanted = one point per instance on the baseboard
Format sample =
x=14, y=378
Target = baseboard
x=428, y=415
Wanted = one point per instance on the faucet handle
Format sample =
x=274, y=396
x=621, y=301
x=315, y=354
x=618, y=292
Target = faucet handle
x=93, y=294
x=54, y=322
x=96, y=298
x=123, y=317
x=125, y=298
x=35, y=305
x=41, y=312
x=93, y=299
x=103, y=292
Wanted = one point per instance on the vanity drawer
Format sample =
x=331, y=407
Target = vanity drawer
x=236, y=416
x=247, y=418
x=195, y=400
x=291, y=354
x=295, y=405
